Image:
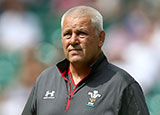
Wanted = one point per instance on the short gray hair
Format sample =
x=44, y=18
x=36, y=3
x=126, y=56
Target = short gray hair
x=96, y=17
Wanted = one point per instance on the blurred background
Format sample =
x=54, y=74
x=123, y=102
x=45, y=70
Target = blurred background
x=30, y=41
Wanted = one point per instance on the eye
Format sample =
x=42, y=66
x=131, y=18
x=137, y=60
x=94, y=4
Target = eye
x=67, y=35
x=82, y=34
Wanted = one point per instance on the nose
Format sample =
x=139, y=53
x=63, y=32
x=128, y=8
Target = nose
x=74, y=39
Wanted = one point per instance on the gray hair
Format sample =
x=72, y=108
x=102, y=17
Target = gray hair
x=96, y=17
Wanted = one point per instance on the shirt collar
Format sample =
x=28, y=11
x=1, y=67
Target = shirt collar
x=64, y=64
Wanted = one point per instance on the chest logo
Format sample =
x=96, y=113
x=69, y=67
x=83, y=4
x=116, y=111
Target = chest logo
x=49, y=95
x=93, y=96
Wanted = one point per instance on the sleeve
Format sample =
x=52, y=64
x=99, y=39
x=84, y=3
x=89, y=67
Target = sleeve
x=30, y=107
x=133, y=101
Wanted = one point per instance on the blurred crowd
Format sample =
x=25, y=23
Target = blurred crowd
x=30, y=41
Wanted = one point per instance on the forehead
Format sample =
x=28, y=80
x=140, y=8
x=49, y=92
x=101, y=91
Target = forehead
x=75, y=20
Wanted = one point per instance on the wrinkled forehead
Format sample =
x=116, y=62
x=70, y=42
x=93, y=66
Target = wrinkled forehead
x=77, y=22
x=78, y=17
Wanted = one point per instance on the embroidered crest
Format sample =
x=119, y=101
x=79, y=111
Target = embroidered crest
x=93, y=98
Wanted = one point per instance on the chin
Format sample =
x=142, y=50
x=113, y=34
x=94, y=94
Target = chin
x=76, y=60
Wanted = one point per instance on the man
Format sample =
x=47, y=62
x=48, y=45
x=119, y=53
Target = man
x=85, y=83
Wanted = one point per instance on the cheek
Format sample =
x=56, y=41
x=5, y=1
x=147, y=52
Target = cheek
x=91, y=43
x=64, y=43
x=84, y=45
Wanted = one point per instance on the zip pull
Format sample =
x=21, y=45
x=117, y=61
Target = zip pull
x=68, y=102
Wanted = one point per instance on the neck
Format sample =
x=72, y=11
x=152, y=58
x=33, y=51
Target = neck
x=79, y=72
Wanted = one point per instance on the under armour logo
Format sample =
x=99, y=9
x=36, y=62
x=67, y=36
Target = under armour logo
x=49, y=95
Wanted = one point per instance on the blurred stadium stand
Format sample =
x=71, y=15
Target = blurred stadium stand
x=30, y=41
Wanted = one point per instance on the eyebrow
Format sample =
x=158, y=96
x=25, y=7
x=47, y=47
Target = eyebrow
x=77, y=30
x=82, y=29
x=66, y=31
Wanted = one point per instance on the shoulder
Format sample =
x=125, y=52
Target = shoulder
x=50, y=70
x=120, y=75
x=114, y=74
x=48, y=74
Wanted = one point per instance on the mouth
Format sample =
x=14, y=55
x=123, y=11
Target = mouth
x=74, y=50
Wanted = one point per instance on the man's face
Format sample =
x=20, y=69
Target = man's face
x=79, y=39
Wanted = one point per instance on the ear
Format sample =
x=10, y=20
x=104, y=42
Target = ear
x=101, y=38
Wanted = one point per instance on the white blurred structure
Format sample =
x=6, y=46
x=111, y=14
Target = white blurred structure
x=134, y=46
x=14, y=101
x=19, y=29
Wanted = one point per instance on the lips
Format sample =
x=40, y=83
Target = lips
x=74, y=50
